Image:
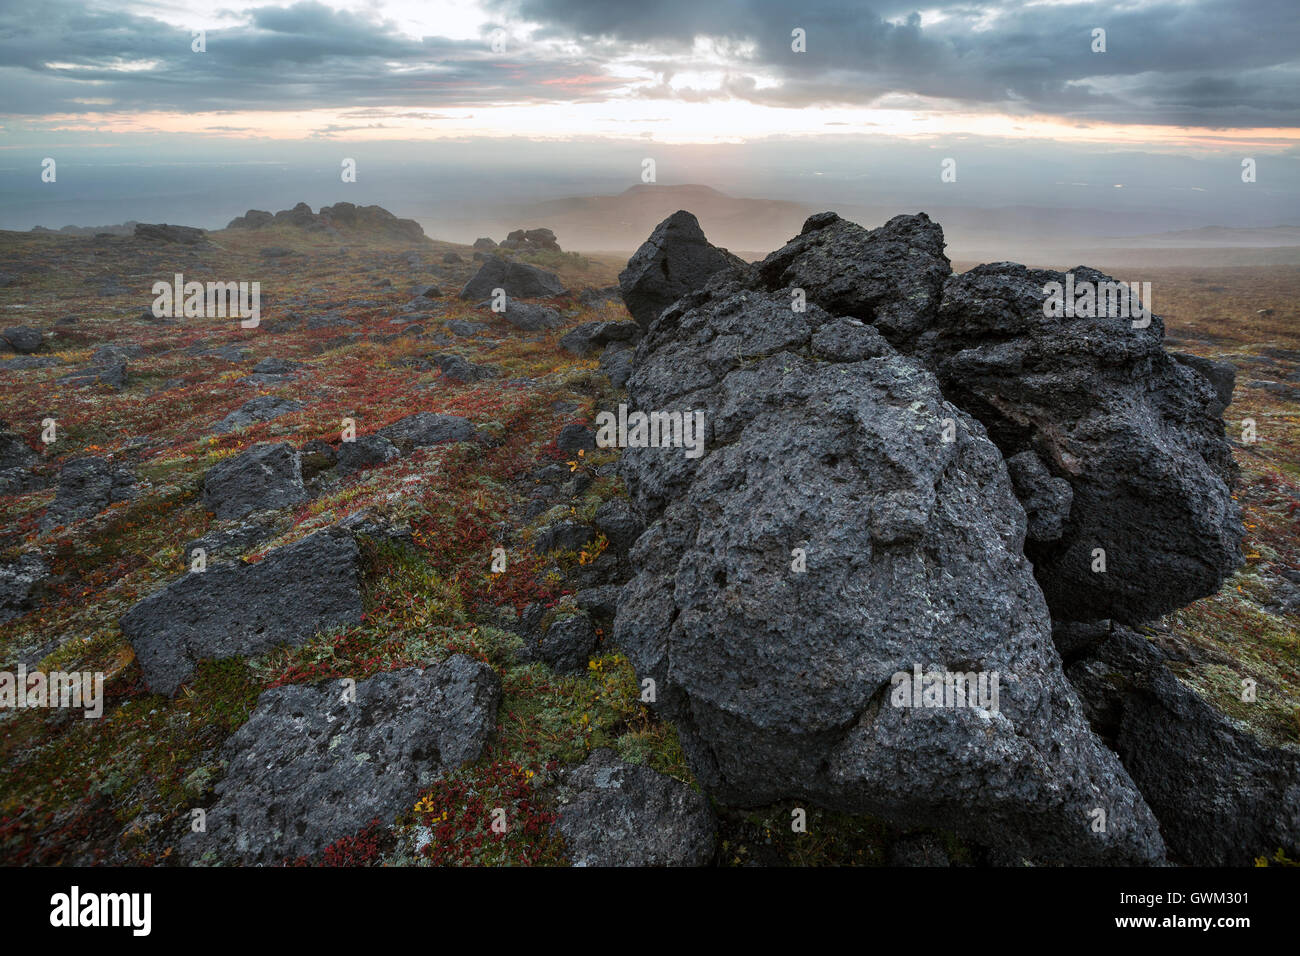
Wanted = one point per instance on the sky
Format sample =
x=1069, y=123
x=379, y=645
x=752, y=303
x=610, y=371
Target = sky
x=542, y=98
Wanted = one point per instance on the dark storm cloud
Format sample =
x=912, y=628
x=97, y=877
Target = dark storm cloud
x=1226, y=63
x=1229, y=63
x=56, y=56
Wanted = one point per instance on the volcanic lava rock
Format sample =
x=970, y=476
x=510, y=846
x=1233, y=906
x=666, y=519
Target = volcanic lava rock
x=366, y=451
x=1046, y=500
x=17, y=459
x=675, y=260
x=255, y=410
x=1223, y=797
x=22, y=339
x=21, y=583
x=86, y=487
x=427, y=428
x=265, y=476
x=565, y=646
x=1136, y=433
x=457, y=368
x=593, y=336
x=520, y=281
x=313, y=765
x=238, y=610
x=614, y=813
x=891, y=278
x=531, y=317
x=827, y=545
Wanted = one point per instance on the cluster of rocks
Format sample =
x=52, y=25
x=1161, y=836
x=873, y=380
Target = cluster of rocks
x=529, y=240
x=946, y=466
x=333, y=220
x=239, y=609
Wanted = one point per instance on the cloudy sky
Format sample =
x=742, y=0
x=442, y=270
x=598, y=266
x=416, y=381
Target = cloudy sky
x=1206, y=81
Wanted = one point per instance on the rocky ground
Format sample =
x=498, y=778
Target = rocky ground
x=314, y=642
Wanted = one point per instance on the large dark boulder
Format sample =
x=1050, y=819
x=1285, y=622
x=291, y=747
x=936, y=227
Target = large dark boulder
x=313, y=765
x=366, y=451
x=1223, y=797
x=675, y=260
x=427, y=428
x=783, y=682
x=520, y=281
x=613, y=813
x=239, y=610
x=565, y=646
x=891, y=277
x=86, y=487
x=22, y=339
x=257, y=410
x=531, y=317
x=264, y=477
x=1136, y=433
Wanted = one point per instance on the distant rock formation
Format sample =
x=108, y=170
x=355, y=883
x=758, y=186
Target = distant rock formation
x=162, y=232
x=119, y=229
x=336, y=219
x=528, y=240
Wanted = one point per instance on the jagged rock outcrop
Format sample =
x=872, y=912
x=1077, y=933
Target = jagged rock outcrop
x=1136, y=433
x=313, y=764
x=891, y=278
x=1223, y=798
x=518, y=279
x=238, y=610
x=781, y=681
x=340, y=217
x=675, y=260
